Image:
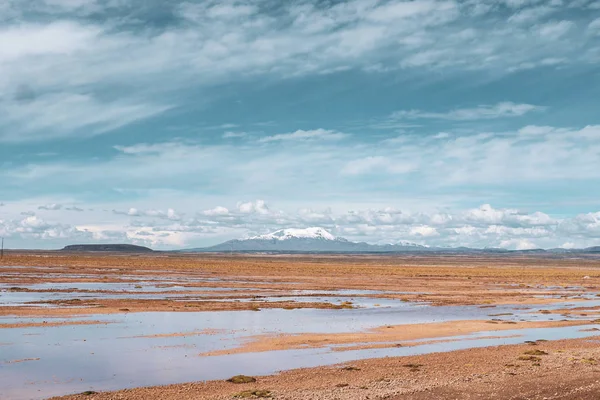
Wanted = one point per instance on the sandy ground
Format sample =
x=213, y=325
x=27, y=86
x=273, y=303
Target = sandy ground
x=398, y=335
x=48, y=324
x=569, y=370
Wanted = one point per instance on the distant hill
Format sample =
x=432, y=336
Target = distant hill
x=119, y=248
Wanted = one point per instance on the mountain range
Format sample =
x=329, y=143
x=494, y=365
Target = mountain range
x=305, y=240
x=319, y=240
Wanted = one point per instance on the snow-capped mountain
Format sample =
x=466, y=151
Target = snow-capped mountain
x=315, y=240
x=307, y=240
x=406, y=243
x=287, y=234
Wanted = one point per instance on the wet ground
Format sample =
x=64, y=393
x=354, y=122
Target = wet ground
x=136, y=349
x=46, y=355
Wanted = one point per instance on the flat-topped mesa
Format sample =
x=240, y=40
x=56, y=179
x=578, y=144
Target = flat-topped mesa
x=119, y=248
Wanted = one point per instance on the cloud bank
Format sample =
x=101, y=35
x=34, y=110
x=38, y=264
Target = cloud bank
x=484, y=226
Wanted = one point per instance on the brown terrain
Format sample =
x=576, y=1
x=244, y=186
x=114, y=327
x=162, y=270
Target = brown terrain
x=568, y=371
x=440, y=280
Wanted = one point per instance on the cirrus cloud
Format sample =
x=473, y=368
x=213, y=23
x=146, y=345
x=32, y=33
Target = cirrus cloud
x=301, y=135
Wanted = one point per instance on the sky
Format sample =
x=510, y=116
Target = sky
x=178, y=124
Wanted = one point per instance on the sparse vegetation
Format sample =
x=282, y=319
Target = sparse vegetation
x=530, y=358
x=17, y=289
x=344, y=305
x=241, y=379
x=535, y=352
x=413, y=367
x=253, y=394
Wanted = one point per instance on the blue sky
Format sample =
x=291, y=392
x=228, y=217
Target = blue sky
x=186, y=123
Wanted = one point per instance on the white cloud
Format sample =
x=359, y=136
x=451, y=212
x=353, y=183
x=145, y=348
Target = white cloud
x=423, y=230
x=481, y=227
x=529, y=15
x=231, y=134
x=534, y=130
x=375, y=165
x=594, y=5
x=301, y=135
x=487, y=215
x=50, y=207
x=484, y=226
x=216, y=211
x=58, y=115
x=394, y=11
x=258, y=207
x=518, y=244
x=519, y=3
x=442, y=135
x=37, y=229
x=169, y=214
x=500, y=110
x=215, y=10
x=36, y=40
x=594, y=27
x=216, y=42
x=70, y=4
x=583, y=225
x=531, y=155
x=554, y=30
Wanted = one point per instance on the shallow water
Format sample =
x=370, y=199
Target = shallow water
x=39, y=294
x=113, y=355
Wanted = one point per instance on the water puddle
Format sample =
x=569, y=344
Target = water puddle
x=43, y=293
x=140, y=349
x=39, y=294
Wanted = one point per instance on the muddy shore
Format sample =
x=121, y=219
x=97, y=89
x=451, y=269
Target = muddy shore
x=564, y=369
x=441, y=280
x=305, y=304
